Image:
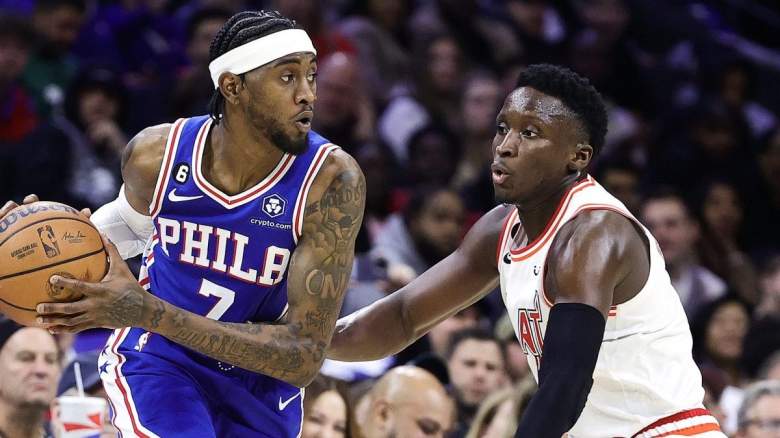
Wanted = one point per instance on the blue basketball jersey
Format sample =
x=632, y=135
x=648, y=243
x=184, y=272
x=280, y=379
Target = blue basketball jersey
x=225, y=257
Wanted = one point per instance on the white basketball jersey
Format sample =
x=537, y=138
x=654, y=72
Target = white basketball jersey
x=645, y=382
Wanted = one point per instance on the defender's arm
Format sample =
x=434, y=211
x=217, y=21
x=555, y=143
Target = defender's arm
x=392, y=323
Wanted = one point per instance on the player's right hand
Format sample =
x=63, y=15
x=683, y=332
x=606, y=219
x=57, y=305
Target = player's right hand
x=10, y=205
x=29, y=199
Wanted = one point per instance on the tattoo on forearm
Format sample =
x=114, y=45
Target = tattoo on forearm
x=317, y=320
x=127, y=310
x=279, y=356
x=290, y=350
x=157, y=314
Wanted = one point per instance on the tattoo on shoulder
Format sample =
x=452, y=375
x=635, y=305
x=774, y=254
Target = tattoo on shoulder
x=332, y=224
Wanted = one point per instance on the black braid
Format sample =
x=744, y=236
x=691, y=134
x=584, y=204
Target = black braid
x=240, y=29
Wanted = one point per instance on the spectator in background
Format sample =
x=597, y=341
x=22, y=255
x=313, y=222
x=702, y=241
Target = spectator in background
x=144, y=42
x=18, y=115
x=94, y=123
x=52, y=67
x=326, y=412
x=440, y=336
x=93, y=387
x=710, y=403
x=759, y=415
x=770, y=369
x=709, y=141
x=407, y=402
x=477, y=368
x=379, y=31
x=479, y=107
x=764, y=201
x=677, y=232
x=622, y=180
x=486, y=40
x=349, y=117
x=735, y=84
x=719, y=331
x=433, y=157
x=602, y=51
x=29, y=369
x=381, y=177
x=29, y=145
x=311, y=17
x=721, y=212
x=429, y=229
x=763, y=338
x=500, y=413
x=539, y=29
x=434, y=96
x=193, y=88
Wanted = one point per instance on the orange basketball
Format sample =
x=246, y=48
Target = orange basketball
x=37, y=241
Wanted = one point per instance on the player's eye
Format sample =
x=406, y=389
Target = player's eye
x=528, y=133
x=312, y=76
x=287, y=77
x=502, y=129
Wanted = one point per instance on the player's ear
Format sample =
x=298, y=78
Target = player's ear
x=580, y=157
x=230, y=86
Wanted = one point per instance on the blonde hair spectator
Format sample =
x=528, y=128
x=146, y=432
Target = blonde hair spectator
x=500, y=413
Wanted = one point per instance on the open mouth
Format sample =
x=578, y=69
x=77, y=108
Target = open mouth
x=303, y=120
x=499, y=174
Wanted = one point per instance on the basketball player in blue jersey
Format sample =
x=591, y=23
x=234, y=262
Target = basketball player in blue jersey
x=247, y=223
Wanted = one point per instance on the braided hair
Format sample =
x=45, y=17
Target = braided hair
x=240, y=29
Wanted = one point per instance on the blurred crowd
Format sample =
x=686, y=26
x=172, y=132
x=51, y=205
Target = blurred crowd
x=411, y=89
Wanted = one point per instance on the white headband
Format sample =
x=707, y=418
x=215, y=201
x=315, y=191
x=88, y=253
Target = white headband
x=260, y=52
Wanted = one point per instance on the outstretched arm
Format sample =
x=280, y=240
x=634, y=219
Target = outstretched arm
x=392, y=323
x=291, y=351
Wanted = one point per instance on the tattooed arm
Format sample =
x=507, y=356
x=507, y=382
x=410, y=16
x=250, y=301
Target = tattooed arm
x=292, y=351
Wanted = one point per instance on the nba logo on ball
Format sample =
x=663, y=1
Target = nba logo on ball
x=273, y=205
x=47, y=239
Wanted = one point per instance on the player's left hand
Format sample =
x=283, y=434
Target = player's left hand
x=115, y=302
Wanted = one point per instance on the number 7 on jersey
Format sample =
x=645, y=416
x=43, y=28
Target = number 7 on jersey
x=225, y=295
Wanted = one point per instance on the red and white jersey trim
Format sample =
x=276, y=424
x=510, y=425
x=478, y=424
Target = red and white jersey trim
x=686, y=423
x=165, y=169
x=148, y=260
x=233, y=201
x=126, y=418
x=552, y=227
x=308, y=180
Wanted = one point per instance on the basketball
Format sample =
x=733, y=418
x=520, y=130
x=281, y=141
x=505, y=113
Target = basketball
x=37, y=241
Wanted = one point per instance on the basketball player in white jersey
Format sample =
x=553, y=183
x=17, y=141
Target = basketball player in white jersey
x=583, y=281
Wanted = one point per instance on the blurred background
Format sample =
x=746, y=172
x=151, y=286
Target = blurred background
x=411, y=89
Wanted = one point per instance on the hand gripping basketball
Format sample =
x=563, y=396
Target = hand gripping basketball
x=115, y=302
x=29, y=199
